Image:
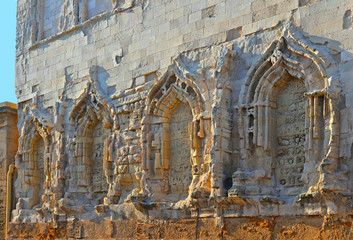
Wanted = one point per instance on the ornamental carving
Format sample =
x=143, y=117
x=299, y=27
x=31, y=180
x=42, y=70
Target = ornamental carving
x=288, y=121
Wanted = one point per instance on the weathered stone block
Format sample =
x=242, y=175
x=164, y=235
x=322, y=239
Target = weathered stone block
x=170, y=110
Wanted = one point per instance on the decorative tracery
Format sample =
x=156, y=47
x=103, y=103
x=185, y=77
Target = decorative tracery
x=33, y=160
x=167, y=108
x=312, y=77
x=93, y=126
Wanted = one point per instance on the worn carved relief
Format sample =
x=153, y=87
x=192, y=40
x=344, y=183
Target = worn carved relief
x=173, y=125
x=290, y=137
x=288, y=112
x=33, y=160
x=183, y=119
x=224, y=131
x=69, y=15
x=179, y=150
x=93, y=122
x=139, y=149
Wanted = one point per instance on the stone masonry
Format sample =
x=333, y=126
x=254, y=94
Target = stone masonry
x=8, y=149
x=184, y=119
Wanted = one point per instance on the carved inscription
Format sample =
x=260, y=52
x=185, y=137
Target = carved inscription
x=180, y=168
x=99, y=183
x=290, y=127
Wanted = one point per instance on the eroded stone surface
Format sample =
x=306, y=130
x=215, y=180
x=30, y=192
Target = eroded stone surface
x=164, y=110
x=204, y=228
x=291, y=135
x=180, y=174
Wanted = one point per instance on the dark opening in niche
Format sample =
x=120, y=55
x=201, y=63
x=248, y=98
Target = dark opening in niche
x=251, y=120
x=118, y=59
x=227, y=183
x=190, y=90
x=251, y=139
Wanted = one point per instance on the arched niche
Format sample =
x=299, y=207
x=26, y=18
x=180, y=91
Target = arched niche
x=177, y=145
x=32, y=161
x=173, y=136
x=38, y=168
x=288, y=112
x=92, y=123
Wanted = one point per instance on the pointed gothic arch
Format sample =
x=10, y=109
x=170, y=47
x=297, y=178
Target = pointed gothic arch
x=93, y=121
x=33, y=160
x=173, y=101
x=314, y=75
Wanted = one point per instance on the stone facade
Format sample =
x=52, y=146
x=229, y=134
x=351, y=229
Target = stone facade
x=193, y=111
x=8, y=149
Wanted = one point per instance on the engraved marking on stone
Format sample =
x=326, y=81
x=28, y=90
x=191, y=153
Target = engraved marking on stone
x=40, y=167
x=180, y=173
x=99, y=183
x=290, y=128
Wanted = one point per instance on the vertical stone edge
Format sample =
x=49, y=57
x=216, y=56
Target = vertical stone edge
x=8, y=148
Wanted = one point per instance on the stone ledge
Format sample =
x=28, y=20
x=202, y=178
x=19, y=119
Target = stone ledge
x=8, y=107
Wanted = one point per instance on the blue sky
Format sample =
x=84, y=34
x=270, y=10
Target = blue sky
x=7, y=43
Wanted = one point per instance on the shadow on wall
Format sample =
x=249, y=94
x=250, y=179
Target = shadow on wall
x=101, y=76
x=348, y=20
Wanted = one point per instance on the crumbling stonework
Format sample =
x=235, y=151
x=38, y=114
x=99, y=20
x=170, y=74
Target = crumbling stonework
x=220, y=117
x=281, y=228
x=8, y=149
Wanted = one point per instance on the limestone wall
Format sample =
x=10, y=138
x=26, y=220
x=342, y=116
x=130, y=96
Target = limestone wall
x=8, y=149
x=151, y=34
x=160, y=109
